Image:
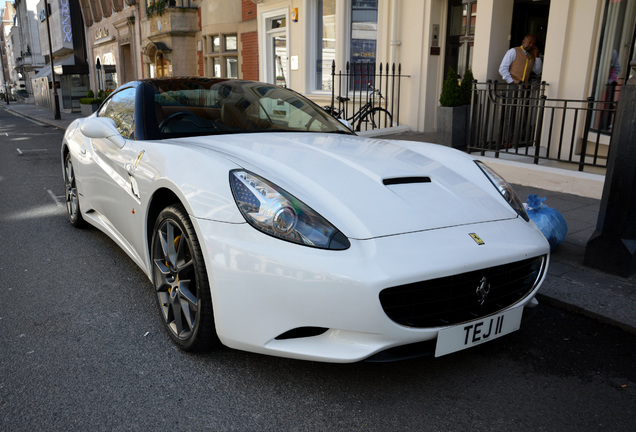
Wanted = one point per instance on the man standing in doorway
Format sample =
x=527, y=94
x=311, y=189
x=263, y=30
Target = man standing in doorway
x=516, y=66
x=520, y=61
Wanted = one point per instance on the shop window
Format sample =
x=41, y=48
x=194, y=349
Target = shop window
x=364, y=30
x=616, y=50
x=220, y=59
x=110, y=72
x=161, y=65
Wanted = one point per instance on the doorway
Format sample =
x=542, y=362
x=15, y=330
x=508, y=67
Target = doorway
x=462, y=16
x=276, y=49
x=530, y=17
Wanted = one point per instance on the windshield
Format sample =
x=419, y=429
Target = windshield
x=200, y=106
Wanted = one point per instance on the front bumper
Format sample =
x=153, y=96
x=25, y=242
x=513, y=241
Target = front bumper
x=263, y=287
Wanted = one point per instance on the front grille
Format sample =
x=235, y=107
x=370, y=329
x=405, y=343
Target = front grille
x=455, y=299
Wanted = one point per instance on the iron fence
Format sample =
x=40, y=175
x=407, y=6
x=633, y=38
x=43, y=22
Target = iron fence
x=523, y=121
x=367, y=95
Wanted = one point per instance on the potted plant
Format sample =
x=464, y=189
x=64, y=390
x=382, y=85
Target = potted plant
x=452, y=114
x=90, y=103
x=157, y=7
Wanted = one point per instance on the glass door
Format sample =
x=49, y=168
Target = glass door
x=462, y=16
x=276, y=51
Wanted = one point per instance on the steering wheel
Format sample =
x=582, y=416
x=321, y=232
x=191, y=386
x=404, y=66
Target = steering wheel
x=176, y=116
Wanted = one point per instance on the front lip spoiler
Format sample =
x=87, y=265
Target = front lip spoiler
x=404, y=352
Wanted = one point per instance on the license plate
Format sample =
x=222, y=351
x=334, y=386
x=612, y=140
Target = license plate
x=477, y=332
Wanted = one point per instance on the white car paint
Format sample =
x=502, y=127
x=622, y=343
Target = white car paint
x=261, y=286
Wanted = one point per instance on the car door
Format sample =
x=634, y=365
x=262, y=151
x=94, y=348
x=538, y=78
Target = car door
x=109, y=177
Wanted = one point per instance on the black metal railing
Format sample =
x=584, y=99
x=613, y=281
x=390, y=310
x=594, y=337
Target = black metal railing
x=367, y=95
x=523, y=121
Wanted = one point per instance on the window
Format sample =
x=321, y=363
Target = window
x=221, y=60
x=616, y=49
x=107, y=76
x=364, y=30
x=325, y=43
x=360, y=44
x=230, y=43
x=121, y=108
x=216, y=44
x=462, y=18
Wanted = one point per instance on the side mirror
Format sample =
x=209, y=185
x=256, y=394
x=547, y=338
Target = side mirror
x=102, y=128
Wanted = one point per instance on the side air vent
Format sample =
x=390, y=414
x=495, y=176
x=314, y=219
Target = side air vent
x=302, y=332
x=405, y=180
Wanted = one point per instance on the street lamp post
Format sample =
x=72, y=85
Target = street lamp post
x=56, y=101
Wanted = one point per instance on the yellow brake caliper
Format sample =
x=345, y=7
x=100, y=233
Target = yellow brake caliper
x=176, y=247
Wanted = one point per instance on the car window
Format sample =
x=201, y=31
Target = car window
x=121, y=108
x=200, y=106
x=292, y=113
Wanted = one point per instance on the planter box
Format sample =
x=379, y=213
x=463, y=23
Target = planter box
x=88, y=109
x=452, y=126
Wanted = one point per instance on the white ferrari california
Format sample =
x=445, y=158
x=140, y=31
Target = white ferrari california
x=267, y=225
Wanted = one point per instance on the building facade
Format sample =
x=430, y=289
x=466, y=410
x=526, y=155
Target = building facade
x=113, y=42
x=26, y=44
x=227, y=45
x=6, y=14
x=65, y=55
x=579, y=40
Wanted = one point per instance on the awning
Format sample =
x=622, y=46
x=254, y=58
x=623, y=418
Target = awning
x=161, y=46
x=151, y=50
x=64, y=65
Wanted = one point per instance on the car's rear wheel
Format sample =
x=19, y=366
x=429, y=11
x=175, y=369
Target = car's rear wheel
x=72, y=198
x=181, y=282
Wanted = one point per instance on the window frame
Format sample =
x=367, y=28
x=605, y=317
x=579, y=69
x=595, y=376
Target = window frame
x=266, y=61
x=223, y=55
x=343, y=42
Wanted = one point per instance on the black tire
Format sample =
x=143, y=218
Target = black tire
x=181, y=283
x=72, y=196
x=375, y=119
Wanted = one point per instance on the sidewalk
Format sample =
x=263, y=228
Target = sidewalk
x=569, y=284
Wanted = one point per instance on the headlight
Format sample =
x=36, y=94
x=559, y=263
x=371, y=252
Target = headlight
x=273, y=211
x=505, y=189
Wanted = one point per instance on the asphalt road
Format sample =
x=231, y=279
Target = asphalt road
x=82, y=347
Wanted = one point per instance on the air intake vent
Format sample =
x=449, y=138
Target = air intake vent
x=405, y=180
x=302, y=332
x=454, y=299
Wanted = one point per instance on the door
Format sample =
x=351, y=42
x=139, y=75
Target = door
x=276, y=49
x=110, y=180
x=462, y=16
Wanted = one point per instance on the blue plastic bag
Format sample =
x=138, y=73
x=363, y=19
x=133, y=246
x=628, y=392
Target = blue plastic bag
x=548, y=220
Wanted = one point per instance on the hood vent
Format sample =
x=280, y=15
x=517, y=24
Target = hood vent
x=405, y=180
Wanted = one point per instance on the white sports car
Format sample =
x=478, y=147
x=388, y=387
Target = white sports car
x=267, y=225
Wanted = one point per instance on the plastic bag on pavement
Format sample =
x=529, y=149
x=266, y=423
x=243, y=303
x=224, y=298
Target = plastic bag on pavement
x=551, y=223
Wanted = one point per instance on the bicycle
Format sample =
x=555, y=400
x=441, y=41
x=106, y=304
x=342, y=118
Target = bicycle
x=368, y=114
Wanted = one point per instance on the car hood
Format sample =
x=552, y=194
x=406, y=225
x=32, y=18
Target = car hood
x=368, y=187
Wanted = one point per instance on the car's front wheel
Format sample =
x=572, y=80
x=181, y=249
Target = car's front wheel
x=72, y=196
x=181, y=282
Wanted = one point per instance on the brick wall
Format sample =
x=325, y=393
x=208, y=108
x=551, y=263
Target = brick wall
x=249, y=54
x=249, y=10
